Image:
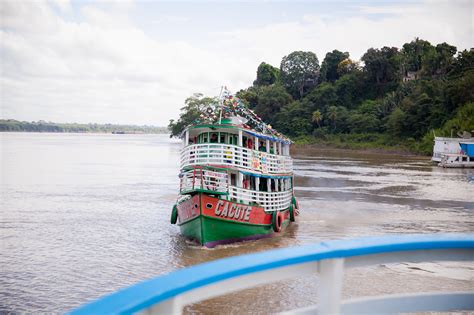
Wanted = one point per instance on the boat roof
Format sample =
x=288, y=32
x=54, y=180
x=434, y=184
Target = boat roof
x=454, y=139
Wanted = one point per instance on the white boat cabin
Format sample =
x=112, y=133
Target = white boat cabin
x=237, y=164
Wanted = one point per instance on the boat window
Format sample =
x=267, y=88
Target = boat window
x=246, y=182
x=222, y=137
x=213, y=138
x=233, y=180
x=252, y=183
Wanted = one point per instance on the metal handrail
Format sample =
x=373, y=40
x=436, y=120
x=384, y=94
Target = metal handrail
x=198, y=179
x=236, y=156
x=170, y=293
x=270, y=201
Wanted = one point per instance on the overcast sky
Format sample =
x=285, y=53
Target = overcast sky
x=136, y=61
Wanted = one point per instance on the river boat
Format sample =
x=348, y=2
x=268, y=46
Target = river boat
x=465, y=158
x=448, y=146
x=236, y=178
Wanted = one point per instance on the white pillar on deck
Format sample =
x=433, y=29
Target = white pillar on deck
x=240, y=180
x=268, y=146
x=240, y=138
x=255, y=145
x=269, y=184
x=279, y=148
x=257, y=183
x=186, y=138
x=274, y=147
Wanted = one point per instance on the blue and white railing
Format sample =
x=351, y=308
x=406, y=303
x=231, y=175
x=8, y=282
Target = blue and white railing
x=168, y=294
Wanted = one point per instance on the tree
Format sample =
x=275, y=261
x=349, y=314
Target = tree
x=294, y=120
x=192, y=110
x=462, y=121
x=347, y=66
x=317, y=117
x=463, y=63
x=395, y=123
x=299, y=72
x=332, y=115
x=381, y=66
x=352, y=88
x=270, y=101
x=329, y=66
x=412, y=53
x=323, y=96
x=250, y=96
x=266, y=75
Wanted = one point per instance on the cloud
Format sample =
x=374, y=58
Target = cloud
x=101, y=66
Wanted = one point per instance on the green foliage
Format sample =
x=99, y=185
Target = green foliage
x=294, y=120
x=270, y=101
x=194, y=106
x=414, y=53
x=462, y=121
x=266, y=75
x=249, y=96
x=329, y=66
x=396, y=123
x=299, y=72
x=317, y=117
x=323, y=96
x=382, y=67
x=377, y=106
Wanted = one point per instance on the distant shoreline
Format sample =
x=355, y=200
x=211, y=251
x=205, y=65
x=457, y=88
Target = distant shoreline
x=11, y=125
x=84, y=132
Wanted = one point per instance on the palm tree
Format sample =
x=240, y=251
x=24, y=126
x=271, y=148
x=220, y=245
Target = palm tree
x=317, y=117
x=332, y=114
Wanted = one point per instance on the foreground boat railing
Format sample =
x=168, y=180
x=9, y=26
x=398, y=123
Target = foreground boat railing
x=170, y=293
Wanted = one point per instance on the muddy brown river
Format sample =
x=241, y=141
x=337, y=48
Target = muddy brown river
x=83, y=215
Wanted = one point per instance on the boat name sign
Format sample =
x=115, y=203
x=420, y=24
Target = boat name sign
x=230, y=210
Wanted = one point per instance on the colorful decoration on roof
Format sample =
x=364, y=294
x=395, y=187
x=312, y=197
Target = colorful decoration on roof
x=231, y=106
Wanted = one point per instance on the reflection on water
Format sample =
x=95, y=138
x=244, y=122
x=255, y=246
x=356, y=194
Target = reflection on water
x=84, y=215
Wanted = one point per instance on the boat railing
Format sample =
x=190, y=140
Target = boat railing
x=199, y=179
x=270, y=201
x=168, y=294
x=236, y=156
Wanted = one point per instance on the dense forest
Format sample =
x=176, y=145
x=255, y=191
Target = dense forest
x=392, y=97
x=43, y=126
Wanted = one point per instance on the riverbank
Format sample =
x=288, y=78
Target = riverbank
x=11, y=125
x=375, y=143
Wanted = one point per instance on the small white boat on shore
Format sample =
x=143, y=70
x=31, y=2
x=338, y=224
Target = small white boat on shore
x=456, y=161
x=454, y=152
x=444, y=146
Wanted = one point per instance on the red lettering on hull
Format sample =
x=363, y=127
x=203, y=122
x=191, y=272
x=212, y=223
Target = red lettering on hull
x=188, y=209
x=223, y=209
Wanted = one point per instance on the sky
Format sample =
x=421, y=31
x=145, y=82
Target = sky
x=135, y=62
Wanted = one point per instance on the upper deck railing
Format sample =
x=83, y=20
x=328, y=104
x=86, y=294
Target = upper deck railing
x=168, y=294
x=235, y=156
